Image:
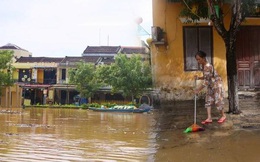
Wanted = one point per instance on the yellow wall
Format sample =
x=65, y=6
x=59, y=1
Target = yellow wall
x=20, y=66
x=11, y=97
x=40, y=76
x=170, y=79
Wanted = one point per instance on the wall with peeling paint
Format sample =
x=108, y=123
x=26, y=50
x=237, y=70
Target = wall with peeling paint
x=171, y=81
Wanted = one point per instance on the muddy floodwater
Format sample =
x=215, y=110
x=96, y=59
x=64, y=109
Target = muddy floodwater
x=64, y=135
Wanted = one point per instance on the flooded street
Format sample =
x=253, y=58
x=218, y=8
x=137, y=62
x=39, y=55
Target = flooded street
x=60, y=135
x=76, y=135
x=241, y=146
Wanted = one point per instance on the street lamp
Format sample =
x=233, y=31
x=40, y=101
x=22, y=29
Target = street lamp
x=44, y=96
x=25, y=79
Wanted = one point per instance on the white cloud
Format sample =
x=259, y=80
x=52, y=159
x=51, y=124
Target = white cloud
x=67, y=27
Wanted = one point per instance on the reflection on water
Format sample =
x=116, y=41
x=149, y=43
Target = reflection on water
x=219, y=142
x=81, y=135
x=76, y=135
x=209, y=146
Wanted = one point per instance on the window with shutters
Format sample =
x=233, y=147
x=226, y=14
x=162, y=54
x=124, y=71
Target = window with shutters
x=197, y=38
x=63, y=74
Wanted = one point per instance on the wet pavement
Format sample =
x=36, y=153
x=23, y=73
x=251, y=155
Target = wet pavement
x=250, y=116
x=64, y=135
x=236, y=140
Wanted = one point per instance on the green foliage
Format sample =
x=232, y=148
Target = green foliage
x=250, y=8
x=197, y=9
x=84, y=106
x=194, y=9
x=6, y=68
x=84, y=77
x=93, y=105
x=132, y=76
x=108, y=105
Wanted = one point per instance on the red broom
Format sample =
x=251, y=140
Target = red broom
x=194, y=127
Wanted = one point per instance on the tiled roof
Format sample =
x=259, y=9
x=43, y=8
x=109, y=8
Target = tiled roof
x=39, y=59
x=93, y=59
x=71, y=59
x=108, y=60
x=12, y=47
x=29, y=59
x=132, y=50
x=78, y=59
x=52, y=59
x=102, y=50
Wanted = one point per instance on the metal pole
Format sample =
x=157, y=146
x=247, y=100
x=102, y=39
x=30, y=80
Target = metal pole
x=195, y=104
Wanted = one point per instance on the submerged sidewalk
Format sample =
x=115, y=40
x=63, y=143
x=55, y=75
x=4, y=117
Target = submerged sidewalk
x=179, y=115
x=249, y=103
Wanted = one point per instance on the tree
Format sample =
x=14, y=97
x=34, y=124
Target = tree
x=6, y=69
x=83, y=76
x=195, y=9
x=131, y=75
x=240, y=9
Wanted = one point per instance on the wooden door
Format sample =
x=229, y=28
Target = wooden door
x=248, y=57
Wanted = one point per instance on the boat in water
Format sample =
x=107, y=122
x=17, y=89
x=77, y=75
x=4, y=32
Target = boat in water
x=123, y=108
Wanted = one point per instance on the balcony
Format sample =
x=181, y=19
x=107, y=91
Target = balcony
x=61, y=81
x=49, y=81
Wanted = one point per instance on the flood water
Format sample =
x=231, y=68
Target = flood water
x=64, y=135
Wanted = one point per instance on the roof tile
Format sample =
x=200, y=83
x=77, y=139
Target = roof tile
x=133, y=50
x=12, y=47
x=102, y=49
x=38, y=59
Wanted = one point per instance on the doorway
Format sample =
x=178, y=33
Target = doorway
x=248, y=58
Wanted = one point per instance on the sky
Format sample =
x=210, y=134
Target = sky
x=58, y=28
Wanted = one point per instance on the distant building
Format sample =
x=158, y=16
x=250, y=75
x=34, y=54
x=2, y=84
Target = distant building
x=43, y=80
x=18, y=51
x=101, y=51
x=142, y=51
x=108, y=53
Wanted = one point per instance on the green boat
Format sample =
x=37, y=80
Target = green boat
x=132, y=109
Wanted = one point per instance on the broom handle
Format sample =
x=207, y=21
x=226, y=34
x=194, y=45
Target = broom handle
x=195, y=103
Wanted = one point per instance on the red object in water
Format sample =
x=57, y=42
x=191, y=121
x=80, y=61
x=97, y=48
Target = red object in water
x=194, y=127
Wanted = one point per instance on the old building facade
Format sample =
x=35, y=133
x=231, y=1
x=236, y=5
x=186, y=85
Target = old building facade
x=45, y=80
x=175, y=43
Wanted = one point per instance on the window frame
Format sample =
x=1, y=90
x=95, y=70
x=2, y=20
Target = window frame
x=63, y=74
x=198, y=45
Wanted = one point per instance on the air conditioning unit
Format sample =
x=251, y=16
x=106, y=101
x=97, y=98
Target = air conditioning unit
x=157, y=34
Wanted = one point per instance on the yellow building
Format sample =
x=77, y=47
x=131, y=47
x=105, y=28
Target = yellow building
x=18, y=51
x=175, y=43
x=11, y=96
x=45, y=80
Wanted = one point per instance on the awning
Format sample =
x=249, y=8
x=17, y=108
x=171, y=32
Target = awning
x=64, y=87
x=35, y=86
x=44, y=67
